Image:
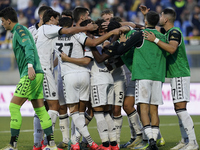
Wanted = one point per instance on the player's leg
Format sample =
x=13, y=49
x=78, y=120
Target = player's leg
x=51, y=96
x=88, y=117
x=16, y=120
x=111, y=127
x=64, y=126
x=119, y=92
x=143, y=99
x=181, y=93
x=73, y=94
x=98, y=101
x=63, y=115
x=132, y=114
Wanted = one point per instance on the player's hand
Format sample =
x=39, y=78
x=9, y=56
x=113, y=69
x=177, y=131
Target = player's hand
x=150, y=36
x=116, y=31
x=144, y=9
x=106, y=44
x=105, y=25
x=122, y=38
x=31, y=73
x=64, y=56
x=92, y=27
x=124, y=29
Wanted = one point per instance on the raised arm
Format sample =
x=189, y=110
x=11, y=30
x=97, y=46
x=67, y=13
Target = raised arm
x=73, y=30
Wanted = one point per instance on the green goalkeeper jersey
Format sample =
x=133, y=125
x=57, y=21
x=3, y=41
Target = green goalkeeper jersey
x=25, y=50
x=177, y=63
x=149, y=60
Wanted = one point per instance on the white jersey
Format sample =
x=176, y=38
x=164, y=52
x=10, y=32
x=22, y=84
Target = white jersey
x=34, y=30
x=44, y=43
x=99, y=72
x=72, y=45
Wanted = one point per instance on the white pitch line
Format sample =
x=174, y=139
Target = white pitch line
x=162, y=125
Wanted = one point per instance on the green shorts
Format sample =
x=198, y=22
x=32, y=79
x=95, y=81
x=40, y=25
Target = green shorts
x=30, y=89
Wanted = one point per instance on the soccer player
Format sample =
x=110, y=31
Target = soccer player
x=63, y=114
x=179, y=72
x=38, y=132
x=31, y=79
x=149, y=73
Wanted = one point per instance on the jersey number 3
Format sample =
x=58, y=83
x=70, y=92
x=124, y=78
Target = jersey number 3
x=65, y=44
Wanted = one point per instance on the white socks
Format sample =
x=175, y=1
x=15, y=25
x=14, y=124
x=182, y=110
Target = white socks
x=38, y=132
x=101, y=126
x=118, y=120
x=111, y=127
x=53, y=115
x=188, y=125
x=64, y=127
x=148, y=131
x=135, y=121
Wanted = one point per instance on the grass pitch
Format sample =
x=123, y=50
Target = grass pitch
x=168, y=126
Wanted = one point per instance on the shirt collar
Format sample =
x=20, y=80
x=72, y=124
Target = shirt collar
x=14, y=28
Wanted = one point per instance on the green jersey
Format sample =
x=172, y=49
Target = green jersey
x=127, y=58
x=149, y=60
x=177, y=63
x=25, y=50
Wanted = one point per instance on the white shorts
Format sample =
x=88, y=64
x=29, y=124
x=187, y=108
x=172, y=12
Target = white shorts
x=149, y=92
x=119, y=91
x=49, y=85
x=102, y=94
x=130, y=90
x=61, y=97
x=76, y=87
x=180, y=89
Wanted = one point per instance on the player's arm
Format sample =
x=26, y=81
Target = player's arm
x=78, y=61
x=131, y=24
x=135, y=39
x=94, y=42
x=97, y=56
x=73, y=30
x=25, y=41
x=174, y=40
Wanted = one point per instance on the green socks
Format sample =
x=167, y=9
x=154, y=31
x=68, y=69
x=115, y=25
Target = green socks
x=16, y=119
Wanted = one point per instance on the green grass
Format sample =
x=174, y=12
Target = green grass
x=168, y=126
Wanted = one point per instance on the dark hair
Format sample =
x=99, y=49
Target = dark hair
x=67, y=13
x=116, y=18
x=48, y=14
x=106, y=11
x=86, y=22
x=171, y=12
x=78, y=11
x=9, y=13
x=99, y=22
x=43, y=9
x=65, y=22
x=113, y=25
x=152, y=18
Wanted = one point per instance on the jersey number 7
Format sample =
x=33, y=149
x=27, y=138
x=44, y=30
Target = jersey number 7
x=65, y=44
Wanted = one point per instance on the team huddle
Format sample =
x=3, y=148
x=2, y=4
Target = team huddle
x=91, y=59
